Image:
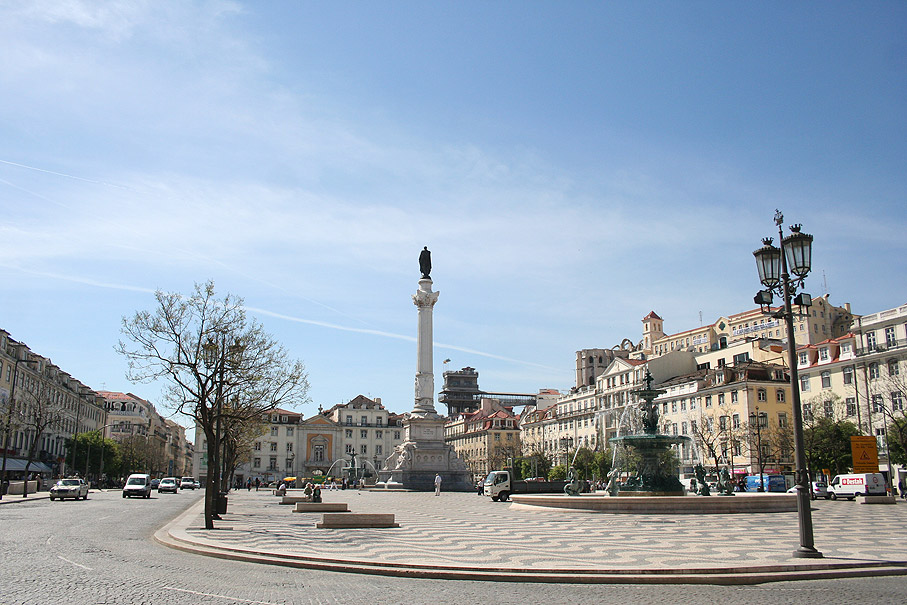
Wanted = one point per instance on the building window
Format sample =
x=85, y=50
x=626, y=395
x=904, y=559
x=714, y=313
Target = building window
x=379, y=450
x=289, y=431
x=273, y=431
x=364, y=421
x=349, y=448
x=878, y=405
x=349, y=421
x=890, y=339
x=396, y=435
x=823, y=354
x=804, y=382
x=826, y=380
x=893, y=369
x=379, y=434
x=673, y=407
x=850, y=406
x=363, y=449
x=735, y=421
x=779, y=395
x=257, y=446
x=871, y=340
x=721, y=399
x=760, y=395
x=363, y=434
x=708, y=401
x=289, y=447
x=272, y=464
x=847, y=372
x=733, y=396
x=273, y=446
x=873, y=371
x=256, y=463
x=317, y=453
x=897, y=401
x=828, y=407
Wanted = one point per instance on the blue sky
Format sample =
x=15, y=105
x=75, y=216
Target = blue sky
x=572, y=166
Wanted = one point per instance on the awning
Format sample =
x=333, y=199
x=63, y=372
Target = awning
x=17, y=464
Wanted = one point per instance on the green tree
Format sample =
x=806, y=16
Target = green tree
x=537, y=464
x=584, y=463
x=827, y=444
x=557, y=473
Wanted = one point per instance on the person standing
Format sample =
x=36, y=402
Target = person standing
x=438, y=484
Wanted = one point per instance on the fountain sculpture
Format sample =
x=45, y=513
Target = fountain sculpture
x=652, y=477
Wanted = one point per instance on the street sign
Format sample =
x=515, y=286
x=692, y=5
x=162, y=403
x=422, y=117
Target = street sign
x=865, y=454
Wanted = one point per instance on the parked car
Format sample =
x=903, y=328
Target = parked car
x=168, y=484
x=197, y=484
x=137, y=485
x=155, y=483
x=857, y=484
x=817, y=489
x=187, y=483
x=69, y=488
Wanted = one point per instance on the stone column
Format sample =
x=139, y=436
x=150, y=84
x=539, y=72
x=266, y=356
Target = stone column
x=425, y=300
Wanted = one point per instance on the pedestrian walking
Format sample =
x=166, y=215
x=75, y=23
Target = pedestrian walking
x=438, y=484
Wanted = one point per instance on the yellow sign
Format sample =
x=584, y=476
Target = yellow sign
x=865, y=454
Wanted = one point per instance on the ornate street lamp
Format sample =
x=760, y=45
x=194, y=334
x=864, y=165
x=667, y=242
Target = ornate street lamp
x=773, y=265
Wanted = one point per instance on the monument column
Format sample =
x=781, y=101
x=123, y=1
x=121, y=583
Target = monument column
x=423, y=454
x=425, y=300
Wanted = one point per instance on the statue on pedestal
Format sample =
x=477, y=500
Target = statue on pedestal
x=425, y=263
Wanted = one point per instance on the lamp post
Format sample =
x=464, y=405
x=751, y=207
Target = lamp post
x=760, y=421
x=566, y=444
x=773, y=264
x=9, y=420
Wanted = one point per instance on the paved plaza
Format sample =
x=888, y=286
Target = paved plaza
x=465, y=536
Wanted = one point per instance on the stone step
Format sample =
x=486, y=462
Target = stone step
x=321, y=507
x=294, y=499
x=349, y=520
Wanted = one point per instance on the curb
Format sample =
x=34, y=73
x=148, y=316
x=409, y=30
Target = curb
x=172, y=536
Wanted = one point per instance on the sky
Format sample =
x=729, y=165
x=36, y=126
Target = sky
x=571, y=167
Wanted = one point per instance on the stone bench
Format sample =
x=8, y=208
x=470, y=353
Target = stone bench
x=876, y=499
x=295, y=499
x=349, y=520
x=321, y=507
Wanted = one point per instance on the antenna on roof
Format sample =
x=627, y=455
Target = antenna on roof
x=700, y=319
x=824, y=282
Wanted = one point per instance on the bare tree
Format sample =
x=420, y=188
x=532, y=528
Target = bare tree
x=209, y=353
x=38, y=413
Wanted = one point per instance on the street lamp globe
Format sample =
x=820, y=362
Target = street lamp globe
x=798, y=248
x=768, y=263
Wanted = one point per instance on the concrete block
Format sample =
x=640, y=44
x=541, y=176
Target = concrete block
x=321, y=507
x=876, y=500
x=353, y=520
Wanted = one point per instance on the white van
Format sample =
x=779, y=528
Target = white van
x=860, y=484
x=137, y=485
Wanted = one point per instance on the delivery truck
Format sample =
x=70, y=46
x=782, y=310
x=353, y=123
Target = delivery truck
x=500, y=484
x=858, y=484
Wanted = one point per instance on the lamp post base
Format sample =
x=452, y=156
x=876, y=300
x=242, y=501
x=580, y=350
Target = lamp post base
x=805, y=552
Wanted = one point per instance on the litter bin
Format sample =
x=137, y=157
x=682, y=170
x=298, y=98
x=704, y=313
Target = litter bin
x=222, y=503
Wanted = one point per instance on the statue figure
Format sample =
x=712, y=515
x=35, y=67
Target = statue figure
x=724, y=481
x=612, y=482
x=574, y=485
x=425, y=263
x=700, y=476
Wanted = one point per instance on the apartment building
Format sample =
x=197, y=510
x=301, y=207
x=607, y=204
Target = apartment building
x=485, y=439
x=821, y=322
x=714, y=406
x=42, y=389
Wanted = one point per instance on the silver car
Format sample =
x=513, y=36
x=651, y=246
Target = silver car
x=69, y=488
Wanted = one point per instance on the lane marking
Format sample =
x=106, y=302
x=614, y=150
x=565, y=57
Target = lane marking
x=217, y=596
x=74, y=563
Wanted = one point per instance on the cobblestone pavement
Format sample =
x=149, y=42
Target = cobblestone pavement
x=100, y=551
x=458, y=531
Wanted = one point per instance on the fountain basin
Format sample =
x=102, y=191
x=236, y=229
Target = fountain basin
x=634, y=504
